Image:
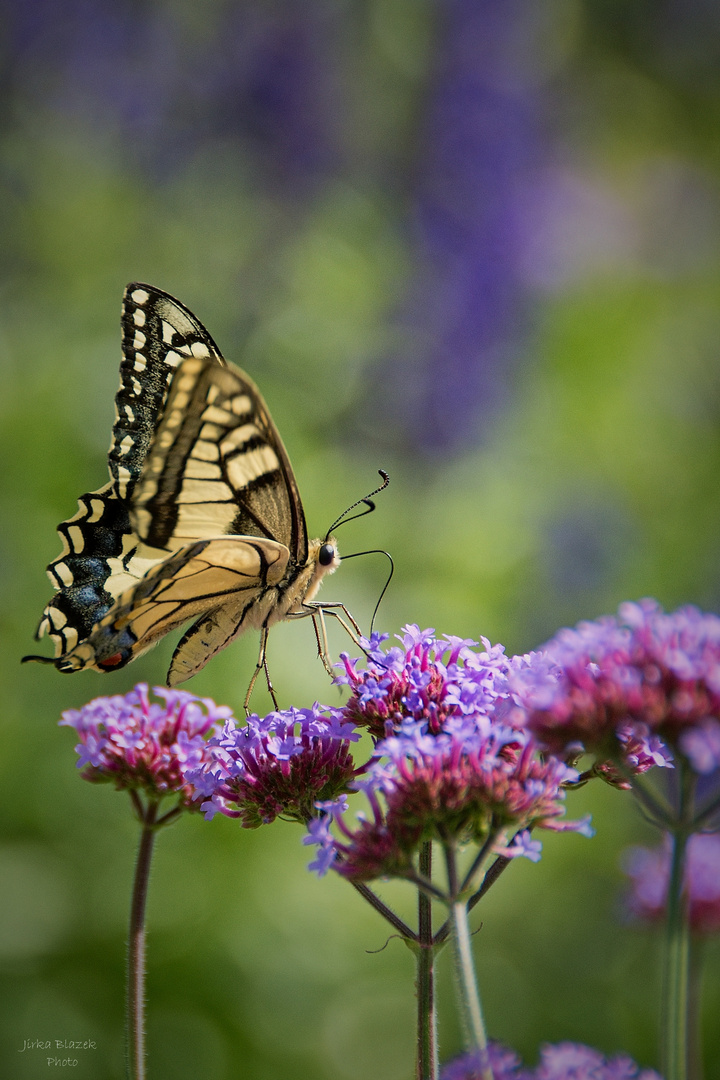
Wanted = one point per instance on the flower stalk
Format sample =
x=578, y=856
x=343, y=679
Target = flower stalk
x=468, y=997
x=676, y=959
x=143, y=745
x=695, y=1055
x=135, y=1020
x=427, y=1054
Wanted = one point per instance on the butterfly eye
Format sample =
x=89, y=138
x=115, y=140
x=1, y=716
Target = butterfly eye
x=327, y=554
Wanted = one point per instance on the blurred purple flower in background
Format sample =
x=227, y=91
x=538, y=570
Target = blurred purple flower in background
x=504, y=1063
x=638, y=682
x=482, y=135
x=561, y=1061
x=168, y=82
x=649, y=873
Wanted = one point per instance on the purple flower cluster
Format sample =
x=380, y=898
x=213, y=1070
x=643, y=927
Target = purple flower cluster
x=649, y=872
x=144, y=745
x=448, y=769
x=429, y=680
x=633, y=685
x=563, y=1061
x=477, y=781
x=279, y=765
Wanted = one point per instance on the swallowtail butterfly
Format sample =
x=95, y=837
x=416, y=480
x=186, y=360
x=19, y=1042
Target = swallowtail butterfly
x=201, y=519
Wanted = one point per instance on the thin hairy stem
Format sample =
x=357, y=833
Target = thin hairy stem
x=136, y=949
x=676, y=960
x=387, y=913
x=427, y=1056
x=469, y=1000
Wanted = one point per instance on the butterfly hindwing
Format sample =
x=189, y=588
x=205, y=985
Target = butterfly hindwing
x=210, y=576
x=93, y=541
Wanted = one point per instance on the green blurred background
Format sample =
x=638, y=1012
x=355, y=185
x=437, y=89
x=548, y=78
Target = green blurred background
x=473, y=243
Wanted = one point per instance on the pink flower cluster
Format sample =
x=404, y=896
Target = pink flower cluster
x=428, y=679
x=448, y=768
x=144, y=745
x=632, y=685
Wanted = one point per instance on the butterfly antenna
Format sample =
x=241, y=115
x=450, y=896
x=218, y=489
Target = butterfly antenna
x=388, y=556
x=369, y=507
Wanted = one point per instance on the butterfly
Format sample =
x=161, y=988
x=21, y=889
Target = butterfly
x=201, y=519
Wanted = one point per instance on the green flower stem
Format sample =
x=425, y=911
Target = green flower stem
x=675, y=970
x=706, y=814
x=676, y=960
x=387, y=913
x=425, y=885
x=427, y=1055
x=695, y=1055
x=136, y=949
x=657, y=807
x=499, y=865
x=479, y=860
x=471, y=1011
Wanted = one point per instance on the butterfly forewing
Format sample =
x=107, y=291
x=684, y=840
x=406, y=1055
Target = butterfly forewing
x=217, y=466
x=158, y=333
x=101, y=556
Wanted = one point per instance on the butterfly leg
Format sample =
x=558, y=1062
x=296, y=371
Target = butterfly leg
x=332, y=608
x=318, y=621
x=351, y=628
x=261, y=666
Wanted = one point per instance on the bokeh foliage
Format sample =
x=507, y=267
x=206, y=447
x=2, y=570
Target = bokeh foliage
x=475, y=244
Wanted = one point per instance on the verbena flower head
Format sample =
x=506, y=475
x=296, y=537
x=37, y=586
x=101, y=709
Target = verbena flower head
x=144, y=745
x=279, y=765
x=475, y=780
x=562, y=1061
x=428, y=679
x=643, y=679
x=649, y=872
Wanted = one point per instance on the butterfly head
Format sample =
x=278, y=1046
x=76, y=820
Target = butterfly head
x=324, y=559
